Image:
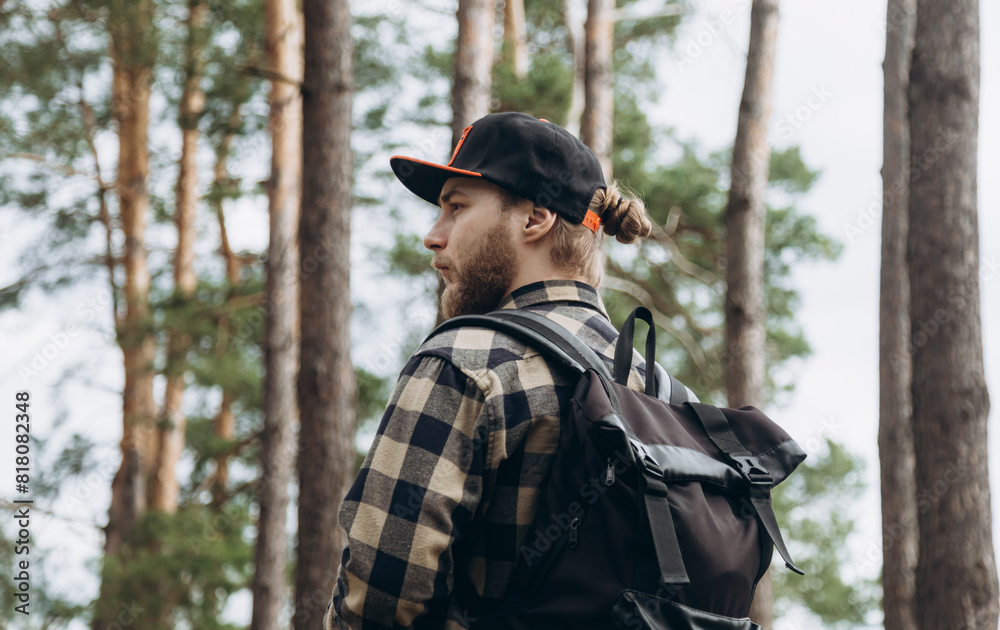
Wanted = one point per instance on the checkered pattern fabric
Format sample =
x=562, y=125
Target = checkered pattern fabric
x=448, y=491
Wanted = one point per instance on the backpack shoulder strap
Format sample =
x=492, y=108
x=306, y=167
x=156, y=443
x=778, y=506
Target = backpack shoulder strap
x=558, y=335
x=676, y=393
x=538, y=332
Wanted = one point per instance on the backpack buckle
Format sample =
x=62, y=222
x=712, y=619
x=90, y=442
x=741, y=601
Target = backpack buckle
x=645, y=458
x=751, y=469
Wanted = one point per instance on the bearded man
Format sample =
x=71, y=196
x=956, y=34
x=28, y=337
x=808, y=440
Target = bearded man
x=444, y=501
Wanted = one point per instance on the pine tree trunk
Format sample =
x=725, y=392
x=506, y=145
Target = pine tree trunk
x=164, y=489
x=597, y=123
x=470, y=94
x=515, y=38
x=746, y=213
x=956, y=577
x=132, y=78
x=327, y=391
x=223, y=428
x=283, y=50
x=132, y=72
x=895, y=436
x=575, y=36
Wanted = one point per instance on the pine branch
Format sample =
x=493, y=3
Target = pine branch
x=669, y=10
x=34, y=157
x=234, y=449
x=663, y=237
x=270, y=75
x=234, y=263
x=104, y=215
x=6, y=505
x=648, y=297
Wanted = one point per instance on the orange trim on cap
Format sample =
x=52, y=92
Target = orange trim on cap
x=440, y=166
x=592, y=221
x=458, y=146
x=542, y=120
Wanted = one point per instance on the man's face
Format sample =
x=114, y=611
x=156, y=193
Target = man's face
x=473, y=247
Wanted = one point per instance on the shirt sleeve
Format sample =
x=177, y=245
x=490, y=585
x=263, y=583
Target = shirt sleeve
x=413, y=499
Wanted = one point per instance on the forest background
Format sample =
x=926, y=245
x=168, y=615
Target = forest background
x=827, y=101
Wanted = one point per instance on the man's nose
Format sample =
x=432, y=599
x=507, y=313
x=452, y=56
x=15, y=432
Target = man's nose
x=437, y=237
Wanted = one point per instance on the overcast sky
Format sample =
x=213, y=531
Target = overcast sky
x=827, y=100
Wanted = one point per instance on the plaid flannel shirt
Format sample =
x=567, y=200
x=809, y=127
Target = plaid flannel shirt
x=450, y=487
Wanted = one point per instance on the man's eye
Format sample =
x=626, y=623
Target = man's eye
x=455, y=207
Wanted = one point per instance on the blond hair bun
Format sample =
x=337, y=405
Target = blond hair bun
x=622, y=215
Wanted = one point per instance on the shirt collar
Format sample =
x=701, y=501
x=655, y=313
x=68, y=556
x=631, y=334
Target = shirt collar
x=548, y=291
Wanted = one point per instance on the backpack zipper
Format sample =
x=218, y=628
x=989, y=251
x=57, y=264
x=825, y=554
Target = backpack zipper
x=573, y=535
x=609, y=479
x=570, y=538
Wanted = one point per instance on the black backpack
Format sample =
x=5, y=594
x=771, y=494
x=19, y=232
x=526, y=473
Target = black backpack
x=657, y=511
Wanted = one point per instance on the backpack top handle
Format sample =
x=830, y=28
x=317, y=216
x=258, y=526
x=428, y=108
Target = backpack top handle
x=623, y=350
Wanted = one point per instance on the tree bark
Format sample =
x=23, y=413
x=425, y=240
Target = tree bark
x=575, y=37
x=283, y=49
x=597, y=123
x=895, y=435
x=132, y=78
x=164, y=489
x=224, y=428
x=327, y=390
x=470, y=95
x=132, y=72
x=515, y=38
x=956, y=578
x=746, y=213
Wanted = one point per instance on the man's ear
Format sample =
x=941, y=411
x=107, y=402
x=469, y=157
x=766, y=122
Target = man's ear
x=540, y=222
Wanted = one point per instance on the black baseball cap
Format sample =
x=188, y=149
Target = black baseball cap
x=533, y=158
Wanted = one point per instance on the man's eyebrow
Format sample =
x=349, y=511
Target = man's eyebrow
x=446, y=197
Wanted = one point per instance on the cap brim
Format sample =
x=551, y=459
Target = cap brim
x=425, y=179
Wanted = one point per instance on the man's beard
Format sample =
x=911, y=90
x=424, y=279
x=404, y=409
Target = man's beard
x=484, y=277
